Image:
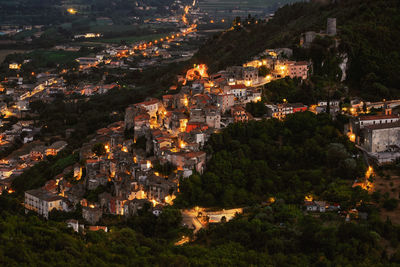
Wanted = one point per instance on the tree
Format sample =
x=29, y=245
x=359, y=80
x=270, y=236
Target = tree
x=390, y=204
x=99, y=149
x=263, y=71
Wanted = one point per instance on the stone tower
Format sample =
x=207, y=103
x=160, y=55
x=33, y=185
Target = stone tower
x=331, y=27
x=129, y=118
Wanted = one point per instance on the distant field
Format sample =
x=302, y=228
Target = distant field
x=55, y=57
x=4, y=53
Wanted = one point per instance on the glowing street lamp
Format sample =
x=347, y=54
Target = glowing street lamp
x=72, y=11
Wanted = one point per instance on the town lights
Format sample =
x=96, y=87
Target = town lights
x=352, y=137
x=72, y=11
x=308, y=198
x=369, y=172
x=182, y=144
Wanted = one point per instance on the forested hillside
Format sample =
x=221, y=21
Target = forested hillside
x=276, y=235
x=288, y=160
x=368, y=29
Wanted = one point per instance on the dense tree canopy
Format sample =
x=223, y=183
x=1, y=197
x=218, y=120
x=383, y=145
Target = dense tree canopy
x=251, y=162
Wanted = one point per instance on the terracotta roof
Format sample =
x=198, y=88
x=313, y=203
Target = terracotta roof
x=301, y=63
x=168, y=96
x=148, y=103
x=97, y=228
x=238, y=108
x=219, y=80
x=194, y=154
x=238, y=86
x=103, y=131
x=297, y=105
x=52, y=184
x=383, y=126
x=142, y=117
x=377, y=117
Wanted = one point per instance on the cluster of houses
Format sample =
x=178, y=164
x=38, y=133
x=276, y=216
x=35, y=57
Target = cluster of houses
x=379, y=134
x=170, y=131
x=24, y=158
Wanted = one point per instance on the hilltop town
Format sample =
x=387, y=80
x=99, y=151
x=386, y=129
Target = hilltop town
x=140, y=161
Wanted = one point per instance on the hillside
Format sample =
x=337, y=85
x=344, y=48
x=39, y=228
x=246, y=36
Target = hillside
x=369, y=32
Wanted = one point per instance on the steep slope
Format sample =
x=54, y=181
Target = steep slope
x=369, y=32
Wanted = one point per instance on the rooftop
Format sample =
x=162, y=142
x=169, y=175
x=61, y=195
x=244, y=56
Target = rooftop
x=377, y=117
x=43, y=195
x=383, y=126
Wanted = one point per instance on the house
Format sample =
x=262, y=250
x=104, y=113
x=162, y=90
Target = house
x=298, y=107
x=6, y=172
x=158, y=188
x=14, y=66
x=98, y=228
x=250, y=76
x=55, y=148
x=299, y=70
x=315, y=206
x=42, y=202
x=38, y=152
x=363, y=121
x=116, y=205
x=131, y=207
x=74, y=224
x=225, y=101
x=157, y=210
x=189, y=160
x=380, y=137
x=142, y=122
x=151, y=106
x=191, y=126
x=279, y=111
x=213, y=117
x=238, y=90
x=167, y=100
x=92, y=215
x=88, y=62
x=239, y=114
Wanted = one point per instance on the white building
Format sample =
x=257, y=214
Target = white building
x=42, y=201
x=363, y=121
x=238, y=90
x=381, y=137
x=151, y=106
